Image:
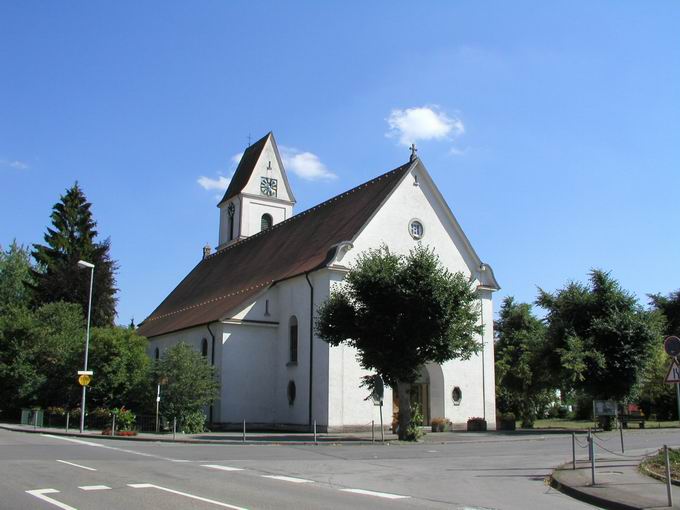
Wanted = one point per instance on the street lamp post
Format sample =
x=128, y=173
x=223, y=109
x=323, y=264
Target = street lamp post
x=86, y=265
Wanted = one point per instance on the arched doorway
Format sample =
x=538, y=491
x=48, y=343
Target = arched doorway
x=427, y=392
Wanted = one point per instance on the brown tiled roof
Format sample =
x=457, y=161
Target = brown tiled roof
x=245, y=168
x=235, y=275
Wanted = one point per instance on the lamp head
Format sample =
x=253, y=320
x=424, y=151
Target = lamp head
x=83, y=264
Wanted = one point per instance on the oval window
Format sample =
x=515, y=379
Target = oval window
x=416, y=229
x=456, y=395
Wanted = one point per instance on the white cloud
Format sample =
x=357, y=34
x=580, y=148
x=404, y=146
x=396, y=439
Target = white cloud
x=306, y=165
x=422, y=123
x=221, y=183
x=16, y=164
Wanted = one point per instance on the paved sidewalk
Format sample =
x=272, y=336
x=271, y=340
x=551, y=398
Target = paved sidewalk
x=618, y=485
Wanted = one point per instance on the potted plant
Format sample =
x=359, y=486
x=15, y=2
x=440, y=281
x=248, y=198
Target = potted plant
x=476, y=424
x=440, y=424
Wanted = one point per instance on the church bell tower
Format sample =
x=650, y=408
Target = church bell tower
x=258, y=196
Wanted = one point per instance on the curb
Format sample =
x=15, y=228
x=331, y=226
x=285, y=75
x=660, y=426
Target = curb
x=646, y=471
x=588, y=498
x=192, y=441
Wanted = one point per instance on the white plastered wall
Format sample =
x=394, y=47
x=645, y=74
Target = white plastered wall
x=413, y=199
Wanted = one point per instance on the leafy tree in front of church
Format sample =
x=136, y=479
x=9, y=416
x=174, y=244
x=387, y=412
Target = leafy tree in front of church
x=72, y=237
x=599, y=337
x=400, y=313
x=188, y=385
x=522, y=379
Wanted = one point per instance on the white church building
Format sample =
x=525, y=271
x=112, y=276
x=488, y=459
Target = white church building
x=249, y=307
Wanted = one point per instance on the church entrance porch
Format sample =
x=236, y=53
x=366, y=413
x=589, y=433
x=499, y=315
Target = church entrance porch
x=427, y=394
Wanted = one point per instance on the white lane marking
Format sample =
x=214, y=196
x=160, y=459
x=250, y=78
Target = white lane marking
x=94, y=487
x=287, y=479
x=377, y=494
x=106, y=447
x=76, y=465
x=223, y=468
x=40, y=494
x=185, y=494
x=179, y=460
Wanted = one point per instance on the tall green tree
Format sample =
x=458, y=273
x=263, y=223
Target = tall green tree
x=522, y=378
x=401, y=313
x=188, y=384
x=122, y=369
x=600, y=337
x=669, y=307
x=71, y=238
x=15, y=277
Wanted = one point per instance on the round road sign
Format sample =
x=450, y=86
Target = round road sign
x=672, y=346
x=84, y=380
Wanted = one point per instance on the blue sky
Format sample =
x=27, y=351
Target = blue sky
x=551, y=128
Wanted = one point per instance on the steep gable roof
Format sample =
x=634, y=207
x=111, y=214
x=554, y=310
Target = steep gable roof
x=235, y=275
x=245, y=168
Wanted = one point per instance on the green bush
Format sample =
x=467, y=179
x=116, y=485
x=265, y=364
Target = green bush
x=192, y=423
x=125, y=419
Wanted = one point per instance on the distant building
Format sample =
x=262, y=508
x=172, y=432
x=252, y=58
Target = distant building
x=249, y=306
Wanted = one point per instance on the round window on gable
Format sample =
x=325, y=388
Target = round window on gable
x=456, y=396
x=291, y=392
x=415, y=228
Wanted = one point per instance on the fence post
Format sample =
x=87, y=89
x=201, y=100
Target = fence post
x=35, y=419
x=174, y=427
x=668, y=476
x=573, y=450
x=68, y=417
x=372, y=431
x=315, y=432
x=113, y=426
x=590, y=452
x=592, y=460
x=244, y=431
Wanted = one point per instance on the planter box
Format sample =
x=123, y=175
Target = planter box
x=476, y=425
x=507, y=425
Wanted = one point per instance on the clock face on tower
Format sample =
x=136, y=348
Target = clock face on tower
x=268, y=186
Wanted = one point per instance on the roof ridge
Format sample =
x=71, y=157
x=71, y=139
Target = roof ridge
x=307, y=211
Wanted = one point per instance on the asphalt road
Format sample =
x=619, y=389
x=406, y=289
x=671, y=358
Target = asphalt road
x=486, y=471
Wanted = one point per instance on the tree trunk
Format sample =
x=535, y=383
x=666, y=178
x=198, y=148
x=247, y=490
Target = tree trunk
x=404, y=391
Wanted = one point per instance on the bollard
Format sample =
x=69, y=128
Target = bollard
x=573, y=450
x=372, y=431
x=113, y=426
x=244, y=431
x=621, y=433
x=174, y=428
x=668, y=476
x=315, y=432
x=68, y=416
x=35, y=419
x=592, y=460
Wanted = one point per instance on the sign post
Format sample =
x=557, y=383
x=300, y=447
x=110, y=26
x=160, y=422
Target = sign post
x=672, y=347
x=377, y=396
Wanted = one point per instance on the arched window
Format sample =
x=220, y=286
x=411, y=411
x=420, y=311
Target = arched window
x=266, y=222
x=157, y=353
x=204, y=347
x=293, y=339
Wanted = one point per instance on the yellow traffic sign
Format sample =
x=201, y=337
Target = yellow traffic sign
x=84, y=380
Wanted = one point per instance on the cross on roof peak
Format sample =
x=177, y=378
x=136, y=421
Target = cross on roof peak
x=413, y=150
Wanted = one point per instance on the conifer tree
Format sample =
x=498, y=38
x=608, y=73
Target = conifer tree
x=71, y=238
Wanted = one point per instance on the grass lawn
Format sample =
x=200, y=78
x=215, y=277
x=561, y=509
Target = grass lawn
x=557, y=423
x=657, y=464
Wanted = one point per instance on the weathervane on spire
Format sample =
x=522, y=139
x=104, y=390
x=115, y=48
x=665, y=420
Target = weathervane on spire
x=413, y=150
